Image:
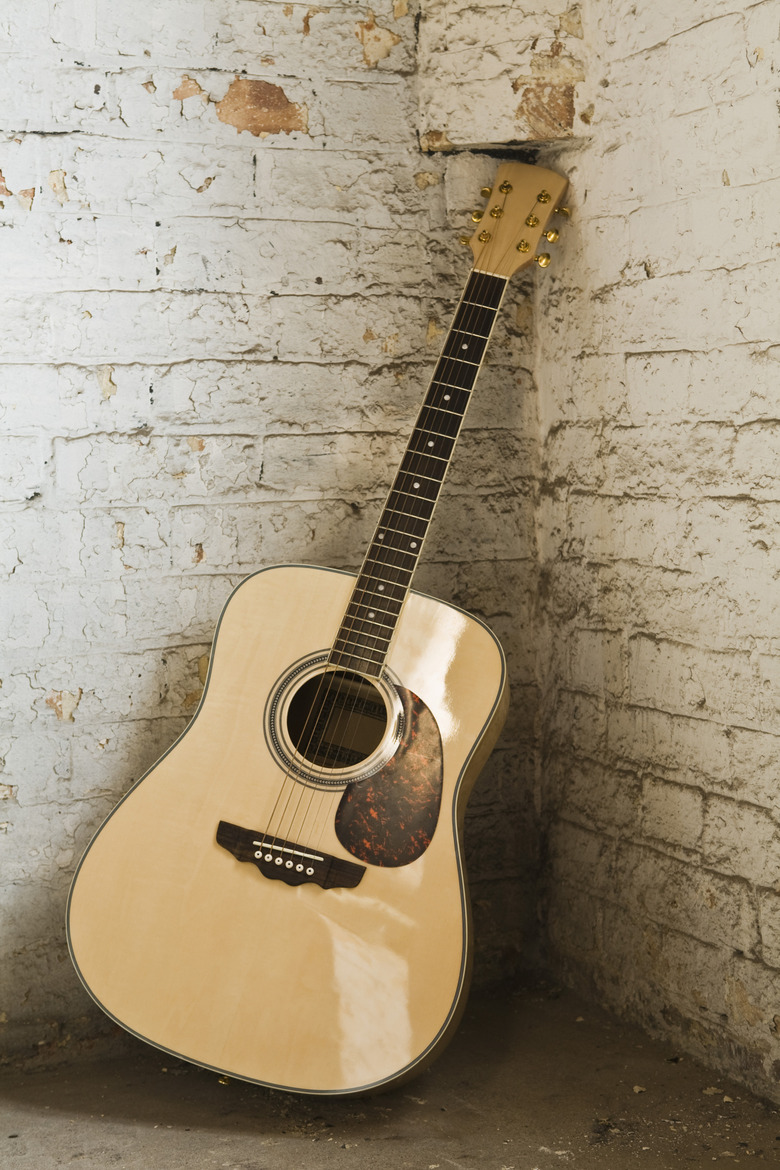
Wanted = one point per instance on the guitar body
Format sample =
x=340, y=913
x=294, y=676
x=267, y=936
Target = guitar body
x=316, y=989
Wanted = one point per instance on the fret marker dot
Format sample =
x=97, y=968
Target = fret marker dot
x=430, y=442
x=446, y=397
x=381, y=588
x=416, y=485
x=371, y=613
x=413, y=544
x=381, y=536
x=465, y=345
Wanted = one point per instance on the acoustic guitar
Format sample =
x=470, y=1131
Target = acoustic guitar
x=282, y=898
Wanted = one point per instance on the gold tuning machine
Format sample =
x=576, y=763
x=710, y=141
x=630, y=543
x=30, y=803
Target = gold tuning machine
x=551, y=236
x=486, y=192
x=524, y=246
x=465, y=240
x=543, y=260
x=543, y=197
x=564, y=211
x=505, y=188
x=477, y=215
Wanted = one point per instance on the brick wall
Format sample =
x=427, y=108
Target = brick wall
x=228, y=265
x=657, y=371
x=228, y=268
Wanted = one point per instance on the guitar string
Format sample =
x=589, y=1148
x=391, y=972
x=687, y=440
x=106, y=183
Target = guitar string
x=465, y=325
x=348, y=625
x=446, y=365
x=468, y=316
x=449, y=368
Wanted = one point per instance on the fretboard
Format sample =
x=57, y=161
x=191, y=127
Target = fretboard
x=385, y=577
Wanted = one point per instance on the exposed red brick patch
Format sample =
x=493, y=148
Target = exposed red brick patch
x=546, y=110
x=261, y=108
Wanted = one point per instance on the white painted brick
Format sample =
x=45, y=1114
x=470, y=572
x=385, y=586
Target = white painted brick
x=769, y=922
x=671, y=813
x=709, y=907
x=741, y=839
x=136, y=469
x=596, y=662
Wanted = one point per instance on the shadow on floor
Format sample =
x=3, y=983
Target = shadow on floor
x=534, y=1079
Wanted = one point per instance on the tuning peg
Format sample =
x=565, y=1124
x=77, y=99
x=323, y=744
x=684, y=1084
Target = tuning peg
x=543, y=260
x=524, y=246
x=486, y=192
x=543, y=197
x=532, y=220
x=465, y=240
x=505, y=188
x=477, y=215
x=551, y=236
x=564, y=211
x=483, y=237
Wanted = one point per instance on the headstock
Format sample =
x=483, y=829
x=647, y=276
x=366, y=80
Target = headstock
x=521, y=203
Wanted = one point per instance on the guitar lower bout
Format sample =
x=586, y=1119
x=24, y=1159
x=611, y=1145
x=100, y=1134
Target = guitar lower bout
x=349, y=973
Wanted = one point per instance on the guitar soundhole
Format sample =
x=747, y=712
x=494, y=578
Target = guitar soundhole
x=336, y=719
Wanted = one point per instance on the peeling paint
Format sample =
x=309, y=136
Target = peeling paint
x=3, y=187
x=199, y=554
x=425, y=179
x=571, y=22
x=435, y=140
x=400, y=8
x=119, y=526
x=105, y=377
x=195, y=444
x=64, y=703
x=261, y=108
x=26, y=197
x=307, y=19
x=377, y=42
x=188, y=88
x=57, y=184
x=8, y=791
x=546, y=111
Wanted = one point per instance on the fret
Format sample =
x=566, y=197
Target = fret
x=417, y=487
x=412, y=525
x=463, y=346
x=432, y=445
x=476, y=319
x=455, y=373
x=363, y=626
x=410, y=505
x=385, y=576
x=373, y=605
x=441, y=422
x=485, y=289
x=377, y=555
x=356, y=663
x=396, y=538
x=423, y=466
x=456, y=399
x=350, y=644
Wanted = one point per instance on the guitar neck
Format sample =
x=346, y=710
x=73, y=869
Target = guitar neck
x=385, y=577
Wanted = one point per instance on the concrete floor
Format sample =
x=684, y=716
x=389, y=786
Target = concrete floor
x=534, y=1080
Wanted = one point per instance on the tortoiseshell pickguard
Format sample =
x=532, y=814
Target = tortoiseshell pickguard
x=390, y=818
